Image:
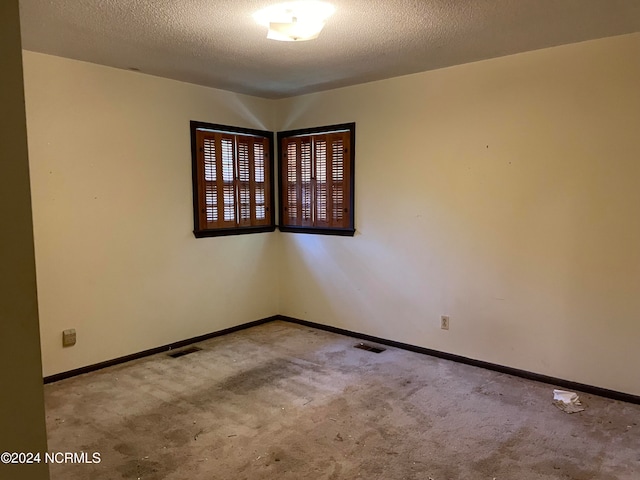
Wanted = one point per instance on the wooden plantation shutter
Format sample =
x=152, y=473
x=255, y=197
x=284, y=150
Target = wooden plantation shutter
x=233, y=180
x=305, y=178
x=322, y=181
x=316, y=180
x=332, y=180
x=214, y=178
x=253, y=181
x=260, y=182
x=290, y=183
x=209, y=172
x=297, y=176
x=339, y=179
x=227, y=153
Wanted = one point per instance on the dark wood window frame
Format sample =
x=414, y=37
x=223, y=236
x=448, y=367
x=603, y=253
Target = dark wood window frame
x=292, y=194
x=261, y=216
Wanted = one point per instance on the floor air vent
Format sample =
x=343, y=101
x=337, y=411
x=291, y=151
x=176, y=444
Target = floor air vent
x=186, y=351
x=369, y=348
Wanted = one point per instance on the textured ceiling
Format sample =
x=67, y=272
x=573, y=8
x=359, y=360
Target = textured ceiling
x=217, y=43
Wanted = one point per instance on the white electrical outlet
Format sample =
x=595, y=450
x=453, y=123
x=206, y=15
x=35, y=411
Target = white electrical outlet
x=444, y=322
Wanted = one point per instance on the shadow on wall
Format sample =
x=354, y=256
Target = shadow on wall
x=360, y=284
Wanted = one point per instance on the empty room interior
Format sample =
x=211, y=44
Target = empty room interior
x=451, y=186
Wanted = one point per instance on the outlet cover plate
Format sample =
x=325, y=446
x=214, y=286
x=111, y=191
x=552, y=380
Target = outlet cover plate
x=69, y=337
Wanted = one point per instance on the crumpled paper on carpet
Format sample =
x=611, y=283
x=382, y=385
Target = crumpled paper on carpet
x=568, y=402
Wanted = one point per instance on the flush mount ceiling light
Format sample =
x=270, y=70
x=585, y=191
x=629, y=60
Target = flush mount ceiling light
x=294, y=21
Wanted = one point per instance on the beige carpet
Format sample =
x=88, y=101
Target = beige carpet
x=281, y=401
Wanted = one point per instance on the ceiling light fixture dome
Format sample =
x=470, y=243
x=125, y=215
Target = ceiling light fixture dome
x=295, y=21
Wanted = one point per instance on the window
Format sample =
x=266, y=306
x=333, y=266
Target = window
x=232, y=185
x=316, y=180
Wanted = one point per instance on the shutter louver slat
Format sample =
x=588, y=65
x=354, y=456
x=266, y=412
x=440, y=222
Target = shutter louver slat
x=337, y=164
x=210, y=177
x=243, y=162
x=305, y=180
x=227, y=160
x=229, y=203
x=292, y=182
x=245, y=203
x=211, y=202
x=244, y=188
x=321, y=181
x=258, y=155
x=261, y=212
x=259, y=182
x=219, y=182
x=210, y=169
x=228, y=177
x=337, y=177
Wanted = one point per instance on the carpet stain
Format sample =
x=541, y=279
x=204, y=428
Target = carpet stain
x=288, y=402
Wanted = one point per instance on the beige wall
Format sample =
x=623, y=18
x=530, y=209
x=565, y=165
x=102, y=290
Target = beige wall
x=503, y=193
x=111, y=181
x=22, y=426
